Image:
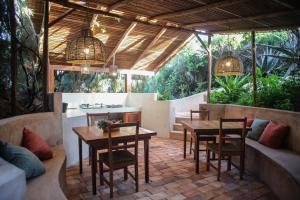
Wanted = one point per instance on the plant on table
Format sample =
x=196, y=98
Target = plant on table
x=103, y=124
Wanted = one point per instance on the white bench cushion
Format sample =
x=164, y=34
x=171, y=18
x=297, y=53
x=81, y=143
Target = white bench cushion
x=12, y=181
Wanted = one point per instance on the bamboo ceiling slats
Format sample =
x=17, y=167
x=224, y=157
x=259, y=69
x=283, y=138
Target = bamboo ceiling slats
x=143, y=47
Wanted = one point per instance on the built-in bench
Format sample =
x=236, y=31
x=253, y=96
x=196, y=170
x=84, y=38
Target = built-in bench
x=50, y=185
x=278, y=168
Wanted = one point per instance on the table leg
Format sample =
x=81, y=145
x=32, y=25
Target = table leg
x=184, y=142
x=196, y=153
x=94, y=166
x=80, y=154
x=146, y=159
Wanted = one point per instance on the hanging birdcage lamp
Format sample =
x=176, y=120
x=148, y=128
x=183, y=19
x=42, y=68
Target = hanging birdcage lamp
x=85, y=49
x=229, y=64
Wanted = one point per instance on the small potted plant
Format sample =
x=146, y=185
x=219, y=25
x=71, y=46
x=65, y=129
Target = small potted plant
x=103, y=124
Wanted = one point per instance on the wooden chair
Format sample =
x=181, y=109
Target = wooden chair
x=118, y=157
x=92, y=120
x=203, y=115
x=231, y=143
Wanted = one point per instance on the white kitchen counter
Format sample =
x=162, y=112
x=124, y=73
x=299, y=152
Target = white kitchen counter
x=77, y=117
x=82, y=112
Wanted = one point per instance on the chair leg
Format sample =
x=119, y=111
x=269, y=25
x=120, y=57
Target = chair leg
x=111, y=183
x=242, y=166
x=213, y=154
x=101, y=171
x=229, y=163
x=136, y=176
x=219, y=167
x=207, y=159
x=125, y=173
x=191, y=144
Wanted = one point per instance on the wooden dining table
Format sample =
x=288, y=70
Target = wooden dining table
x=97, y=139
x=203, y=127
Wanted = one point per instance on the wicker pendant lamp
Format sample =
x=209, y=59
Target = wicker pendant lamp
x=229, y=64
x=85, y=50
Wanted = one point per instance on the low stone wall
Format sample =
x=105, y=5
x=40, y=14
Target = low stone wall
x=292, y=119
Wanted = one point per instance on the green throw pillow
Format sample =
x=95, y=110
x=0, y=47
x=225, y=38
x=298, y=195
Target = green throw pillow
x=258, y=126
x=22, y=158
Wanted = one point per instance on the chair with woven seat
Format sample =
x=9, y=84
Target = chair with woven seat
x=231, y=143
x=92, y=119
x=203, y=115
x=119, y=157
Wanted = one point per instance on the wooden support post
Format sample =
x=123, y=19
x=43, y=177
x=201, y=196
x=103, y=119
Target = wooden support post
x=254, y=67
x=45, y=56
x=125, y=82
x=13, y=56
x=128, y=83
x=202, y=43
x=51, y=81
x=209, y=68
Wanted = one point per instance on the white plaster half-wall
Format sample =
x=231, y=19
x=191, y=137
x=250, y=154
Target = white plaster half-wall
x=184, y=105
x=155, y=114
x=71, y=139
x=75, y=99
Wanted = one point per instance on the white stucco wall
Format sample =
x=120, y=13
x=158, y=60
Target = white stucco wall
x=184, y=105
x=75, y=99
x=155, y=114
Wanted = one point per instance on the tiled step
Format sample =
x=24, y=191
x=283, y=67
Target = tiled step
x=179, y=119
x=177, y=127
x=178, y=135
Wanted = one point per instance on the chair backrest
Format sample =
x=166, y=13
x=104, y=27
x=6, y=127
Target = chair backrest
x=93, y=117
x=235, y=132
x=203, y=114
x=130, y=144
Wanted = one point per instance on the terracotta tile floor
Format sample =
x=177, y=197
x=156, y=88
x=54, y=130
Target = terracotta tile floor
x=171, y=177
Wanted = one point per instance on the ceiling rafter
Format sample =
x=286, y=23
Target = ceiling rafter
x=235, y=20
x=106, y=13
x=285, y=4
x=173, y=52
x=197, y=9
x=122, y=39
x=59, y=18
x=270, y=28
x=156, y=38
x=118, y=4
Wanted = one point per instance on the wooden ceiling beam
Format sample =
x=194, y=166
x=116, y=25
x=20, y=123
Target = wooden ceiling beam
x=118, y=4
x=59, y=18
x=285, y=4
x=173, y=53
x=156, y=38
x=122, y=39
x=130, y=19
x=236, y=15
x=75, y=68
x=94, y=19
x=236, y=20
x=262, y=29
x=197, y=9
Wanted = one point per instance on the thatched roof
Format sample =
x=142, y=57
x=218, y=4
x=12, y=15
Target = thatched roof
x=144, y=34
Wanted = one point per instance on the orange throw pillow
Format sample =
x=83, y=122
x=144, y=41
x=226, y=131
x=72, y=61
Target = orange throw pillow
x=36, y=144
x=249, y=122
x=273, y=135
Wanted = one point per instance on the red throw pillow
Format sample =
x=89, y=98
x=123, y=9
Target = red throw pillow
x=36, y=144
x=249, y=122
x=274, y=134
